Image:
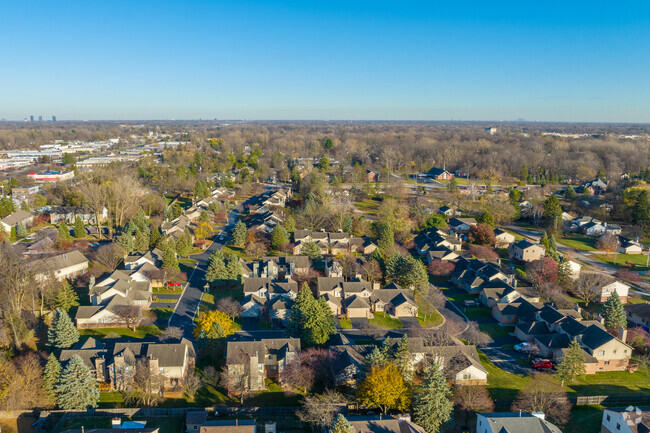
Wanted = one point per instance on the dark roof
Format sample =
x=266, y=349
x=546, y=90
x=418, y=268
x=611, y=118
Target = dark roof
x=594, y=336
x=553, y=341
x=641, y=310
x=435, y=171
x=550, y=314
x=533, y=328
x=518, y=422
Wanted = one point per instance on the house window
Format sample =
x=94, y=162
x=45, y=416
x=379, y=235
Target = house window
x=614, y=350
x=618, y=426
x=606, y=362
x=601, y=353
x=196, y=427
x=608, y=418
x=467, y=376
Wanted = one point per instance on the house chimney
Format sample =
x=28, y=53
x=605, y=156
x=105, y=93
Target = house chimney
x=116, y=423
x=622, y=334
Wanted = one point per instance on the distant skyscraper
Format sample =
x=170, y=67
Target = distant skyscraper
x=53, y=118
x=40, y=118
x=31, y=118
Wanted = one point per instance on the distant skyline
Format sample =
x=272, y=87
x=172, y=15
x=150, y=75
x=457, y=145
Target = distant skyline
x=336, y=60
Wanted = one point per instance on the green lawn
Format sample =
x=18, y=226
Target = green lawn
x=274, y=396
x=517, y=236
x=638, y=261
x=579, y=242
x=368, y=206
x=163, y=313
x=238, y=251
x=495, y=330
x=345, y=323
x=477, y=312
x=140, y=332
x=430, y=321
x=461, y=296
x=585, y=419
x=501, y=384
x=385, y=322
x=428, y=316
x=168, y=290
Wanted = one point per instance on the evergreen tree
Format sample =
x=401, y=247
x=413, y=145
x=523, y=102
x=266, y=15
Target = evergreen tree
x=311, y=250
x=130, y=228
x=431, y=405
x=79, y=228
x=233, y=269
x=544, y=241
x=239, y=234
x=487, y=218
x=24, y=206
x=155, y=236
x=21, y=230
x=601, y=171
x=141, y=219
x=141, y=241
x=341, y=425
x=613, y=313
x=279, y=237
x=216, y=268
x=290, y=224
x=310, y=319
x=570, y=193
x=564, y=273
x=402, y=359
x=552, y=248
x=51, y=375
x=640, y=213
x=170, y=262
x=66, y=298
x=553, y=211
x=63, y=230
x=524, y=173
x=77, y=388
x=62, y=334
x=348, y=224
x=183, y=245
x=204, y=217
x=385, y=235
x=452, y=186
x=572, y=363
x=126, y=241
x=376, y=358
x=7, y=206
x=417, y=276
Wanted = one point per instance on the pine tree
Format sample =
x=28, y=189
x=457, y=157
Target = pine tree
x=524, y=173
x=341, y=425
x=24, y=206
x=216, y=268
x=290, y=224
x=402, y=359
x=239, y=234
x=233, y=269
x=279, y=237
x=141, y=220
x=204, y=217
x=170, y=262
x=63, y=230
x=552, y=251
x=640, y=213
x=453, y=185
x=570, y=193
x=417, y=276
x=51, y=375
x=66, y=298
x=564, y=273
x=544, y=241
x=613, y=313
x=310, y=319
x=385, y=235
x=572, y=363
x=126, y=241
x=311, y=250
x=21, y=230
x=141, y=241
x=62, y=334
x=376, y=358
x=431, y=405
x=77, y=387
x=183, y=245
x=79, y=228
x=487, y=218
x=155, y=236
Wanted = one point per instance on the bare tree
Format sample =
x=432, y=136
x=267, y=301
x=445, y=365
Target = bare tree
x=191, y=384
x=319, y=410
x=587, y=287
x=147, y=384
x=171, y=333
x=235, y=377
x=471, y=399
x=109, y=256
x=475, y=336
x=131, y=314
x=211, y=375
x=371, y=271
x=95, y=196
x=229, y=306
x=543, y=394
x=607, y=243
x=17, y=285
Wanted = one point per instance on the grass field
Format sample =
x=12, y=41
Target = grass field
x=238, y=251
x=385, y=322
x=168, y=290
x=163, y=313
x=585, y=419
x=345, y=323
x=501, y=384
x=477, y=312
x=495, y=330
x=579, y=242
x=368, y=206
x=140, y=332
x=637, y=261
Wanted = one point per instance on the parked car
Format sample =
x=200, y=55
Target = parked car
x=542, y=364
x=523, y=347
x=173, y=283
x=467, y=304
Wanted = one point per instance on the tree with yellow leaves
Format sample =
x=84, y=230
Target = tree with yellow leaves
x=385, y=388
x=214, y=324
x=203, y=230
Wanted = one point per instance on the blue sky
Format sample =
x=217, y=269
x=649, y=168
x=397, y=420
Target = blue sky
x=402, y=60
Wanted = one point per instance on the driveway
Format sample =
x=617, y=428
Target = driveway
x=410, y=322
x=506, y=359
x=360, y=323
x=250, y=323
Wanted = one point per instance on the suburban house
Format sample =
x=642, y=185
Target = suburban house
x=260, y=292
x=461, y=226
x=363, y=245
x=114, y=362
x=436, y=238
x=525, y=251
x=177, y=227
x=383, y=424
x=504, y=294
x=514, y=422
x=446, y=211
x=14, y=218
x=593, y=227
x=473, y=275
x=395, y=301
x=437, y=174
x=275, y=267
x=639, y=315
x=626, y=420
x=260, y=360
x=629, y=246
x=198, y=422
x=606, y=291
x=62, y=266
x=329, y=242
x=503, y=238
x=135, y=261
x=24, y=193
x=593, y=187
x=69, y=214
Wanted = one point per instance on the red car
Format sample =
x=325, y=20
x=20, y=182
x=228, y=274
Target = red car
x=542, y=364
x=173, y=283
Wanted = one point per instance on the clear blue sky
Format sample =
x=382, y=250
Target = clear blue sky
x=429, y=60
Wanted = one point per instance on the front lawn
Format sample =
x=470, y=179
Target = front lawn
x=428, y=316
x=579, y=242
x=163, y=313
x=501, y=384
x=585, y=418
x=168, y=290
x=237, y=251
x=477, y=312
x=460, y=296
x=496, y=330
x=274, y=396
x=140, y=332
x=636, y=261
x=345, y=323
x=385, y=322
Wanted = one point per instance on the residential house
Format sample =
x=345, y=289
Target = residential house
x=461, y=226
x=394, y=301
x=504, y=293
x=260, y=360
x=447, y=211
x=277, y=268
x=69, y=214
x=363, y=245
x=62, y=266
x=593, y=187
x=252, y=306
x=261, y=293
x=525, y=251
x=228, y=426
x=177, y=227
x=24, y=193
x=626, y=420
x=153, y=257
x=357, y=307
x=503, y=238
x=14, y=218
x=639, y=315
x=629, y=246
x=437, y=174
x=383, y=424
x=606, y=291
x=473, y=275
x=520, y=310
x=279, y=309
x=329, y=242
x=514, y=422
